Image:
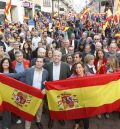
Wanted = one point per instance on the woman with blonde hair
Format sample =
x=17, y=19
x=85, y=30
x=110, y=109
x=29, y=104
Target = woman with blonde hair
x=89, y=65
x=112, y=64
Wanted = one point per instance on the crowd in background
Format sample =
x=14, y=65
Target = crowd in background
x=78, y=47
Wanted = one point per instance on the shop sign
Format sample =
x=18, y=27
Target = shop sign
x=37, y=8
x=27, y=5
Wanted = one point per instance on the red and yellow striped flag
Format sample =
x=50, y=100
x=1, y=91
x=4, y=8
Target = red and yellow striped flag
x=117, y=35
x=84, y=97
x=7, y=10
x=108, y=15
x=19, y=98
x=1, y=106
x=105, y=25
x=85, y=12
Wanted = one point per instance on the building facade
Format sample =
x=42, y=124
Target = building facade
x=20, y=9
x=62, y=6
x=25, y=9
x=100, y=6
x=46, y=6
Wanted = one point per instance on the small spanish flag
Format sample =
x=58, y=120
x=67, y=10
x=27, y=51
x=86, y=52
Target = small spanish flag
x=1, y=106
x=7, y=10
x=105, y=25
x=84, y=97
x=116, y=18
x=118, y=35
x=19, y=98
x=66, y=29
x=108, y=15
x=1, y=32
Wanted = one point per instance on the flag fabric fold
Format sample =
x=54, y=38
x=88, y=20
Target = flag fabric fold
x=109, y=15
x=84, y=97
x=7, y=10
x=19, y=98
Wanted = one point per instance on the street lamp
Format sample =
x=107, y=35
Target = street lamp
x=52, y=8
x=58, y=8
x=99, y=6
x=86, y=3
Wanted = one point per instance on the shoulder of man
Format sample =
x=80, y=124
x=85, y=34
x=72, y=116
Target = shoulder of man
x=45, y=71
x=118, y=54
x=64, y=63
x=11, y=51
x=48, y=65
x=30, y=69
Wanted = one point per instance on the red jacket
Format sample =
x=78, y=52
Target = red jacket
x=103, y=68
x=26, y=63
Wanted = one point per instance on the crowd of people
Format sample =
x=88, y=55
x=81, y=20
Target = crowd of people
x=69, y=49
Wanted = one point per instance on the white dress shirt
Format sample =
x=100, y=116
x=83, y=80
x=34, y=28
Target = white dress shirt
x=56, y=71
x=93, y=67
x=49, y=40
x=35, y=41
x=73, y=45
x=66, y=50
x=37, y=79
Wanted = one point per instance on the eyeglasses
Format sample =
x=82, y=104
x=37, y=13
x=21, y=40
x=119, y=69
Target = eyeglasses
x=76, y=57
x=97, y=39
x=69, y=58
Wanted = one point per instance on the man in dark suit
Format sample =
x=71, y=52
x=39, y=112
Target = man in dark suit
x=74, y=42
x=2, y=42
x=35, y=76
x=60, y=41
x=64, y=49
x=57, y=70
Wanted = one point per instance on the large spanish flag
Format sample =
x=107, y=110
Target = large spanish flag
x=1, y=106
x=84, y=97
x=19, y=98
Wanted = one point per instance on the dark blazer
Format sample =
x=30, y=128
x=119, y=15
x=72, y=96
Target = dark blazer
x=58, y=44
x=34, y=53
x=89, y=70
x=2, y=44
x=76, y=45
x=28, y=76
x=64, y=71
x=12, y=55
x=63, y=51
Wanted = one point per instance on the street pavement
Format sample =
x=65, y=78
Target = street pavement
x=112, y=123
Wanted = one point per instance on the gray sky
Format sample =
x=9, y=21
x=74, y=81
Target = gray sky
x=79, y=4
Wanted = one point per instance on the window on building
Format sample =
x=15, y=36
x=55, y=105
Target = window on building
x=28, y=12
x=46, y=3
